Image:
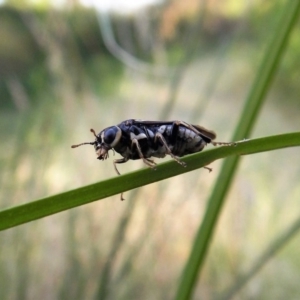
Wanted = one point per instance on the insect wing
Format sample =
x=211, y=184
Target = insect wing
x=157, y=123
x=209, y=134
x=205, y=132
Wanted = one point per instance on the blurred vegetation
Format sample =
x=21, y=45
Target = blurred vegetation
x=195, y=61
x=35, y=45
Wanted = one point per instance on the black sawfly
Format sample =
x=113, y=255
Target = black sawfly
x=138, y=139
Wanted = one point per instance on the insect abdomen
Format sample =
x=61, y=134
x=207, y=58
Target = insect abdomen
x=185, y=142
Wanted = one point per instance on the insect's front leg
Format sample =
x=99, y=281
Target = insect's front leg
x=159, y=136
x=120, y=161
x=207, y=168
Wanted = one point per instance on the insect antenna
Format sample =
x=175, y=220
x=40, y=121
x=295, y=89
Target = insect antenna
x=91, y=143
x=75, y=146
x=94, y=132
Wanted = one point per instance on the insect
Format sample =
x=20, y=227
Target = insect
x=137, y=139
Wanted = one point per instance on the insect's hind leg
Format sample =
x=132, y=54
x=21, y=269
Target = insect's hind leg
x=175, y=129
x=223, y=143
x=186, y=125
x=159, y=136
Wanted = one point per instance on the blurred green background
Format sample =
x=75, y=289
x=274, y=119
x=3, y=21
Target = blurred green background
x=66, y=68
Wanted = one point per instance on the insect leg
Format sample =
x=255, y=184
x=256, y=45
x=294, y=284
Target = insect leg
x=206, y=135
x=223, y=144
x=120, y=161
x=147, y=161
x=151, y=161
x=207, y=168
x=202, y=131
x=159, y=136
x=189, y=126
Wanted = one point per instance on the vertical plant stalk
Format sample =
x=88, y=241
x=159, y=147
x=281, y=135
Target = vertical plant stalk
x=262, y=82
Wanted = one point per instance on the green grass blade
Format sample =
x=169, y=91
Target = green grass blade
x=265, y=75
x=37, y=209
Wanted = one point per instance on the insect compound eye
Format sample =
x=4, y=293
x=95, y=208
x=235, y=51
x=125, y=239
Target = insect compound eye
x=112, y=135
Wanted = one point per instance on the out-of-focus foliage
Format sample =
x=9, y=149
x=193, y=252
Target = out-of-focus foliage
x=58, y=80
x=24, y=48
x=32, y=43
